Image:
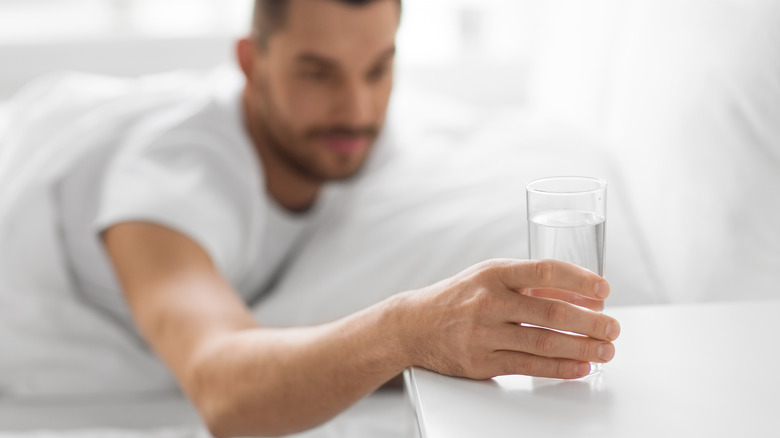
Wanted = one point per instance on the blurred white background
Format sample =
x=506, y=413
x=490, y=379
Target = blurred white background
x=678, y=102
x=683, y=94
x=443, y=43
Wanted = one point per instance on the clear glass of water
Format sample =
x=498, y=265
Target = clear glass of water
x=566, y=221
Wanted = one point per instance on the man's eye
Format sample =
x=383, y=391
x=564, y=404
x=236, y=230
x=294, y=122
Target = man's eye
x=317, y=75
x=377, y=73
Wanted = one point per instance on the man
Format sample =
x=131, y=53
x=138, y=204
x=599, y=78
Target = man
x=189, y=217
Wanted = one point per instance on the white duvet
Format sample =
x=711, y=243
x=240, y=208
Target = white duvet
x=449, y=194
x=109, y=433
x=60, y=346
x=385, y=414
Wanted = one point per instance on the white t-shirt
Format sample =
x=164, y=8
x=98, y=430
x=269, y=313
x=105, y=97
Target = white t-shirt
x=191, y=168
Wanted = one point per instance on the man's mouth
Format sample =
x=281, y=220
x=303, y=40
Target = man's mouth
x=344, y=140
x=345, y=144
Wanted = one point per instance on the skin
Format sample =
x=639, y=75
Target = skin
x=317, y=93
x=246, y=379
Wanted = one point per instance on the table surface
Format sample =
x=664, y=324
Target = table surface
x=680, y=370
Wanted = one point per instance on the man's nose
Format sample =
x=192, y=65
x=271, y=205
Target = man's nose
x=355, y=103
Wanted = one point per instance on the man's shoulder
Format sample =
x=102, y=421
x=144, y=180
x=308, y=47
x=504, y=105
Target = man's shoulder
x=205, y=123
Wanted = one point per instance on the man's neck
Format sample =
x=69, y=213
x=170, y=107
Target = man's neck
x=285, y=185
x=287, y=188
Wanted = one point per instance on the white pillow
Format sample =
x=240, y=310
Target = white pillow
x=576, y=49
x=689, y=99
x=450, y=194
x=695, y=114
x=4, y=117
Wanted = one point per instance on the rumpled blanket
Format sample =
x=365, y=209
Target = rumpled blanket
x=53, y=342
x=449, y=193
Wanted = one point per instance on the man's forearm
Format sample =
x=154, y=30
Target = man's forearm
x=277, y=381
x=246, y=380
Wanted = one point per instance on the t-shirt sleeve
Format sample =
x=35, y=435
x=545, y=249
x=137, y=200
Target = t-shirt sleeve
x=185, y=185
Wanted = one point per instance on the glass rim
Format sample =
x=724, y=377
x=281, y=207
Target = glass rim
x=601, y=185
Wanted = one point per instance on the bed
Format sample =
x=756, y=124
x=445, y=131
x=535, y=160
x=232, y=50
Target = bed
x=674, y=103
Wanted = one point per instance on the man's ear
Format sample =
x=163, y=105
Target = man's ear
x=247, y=54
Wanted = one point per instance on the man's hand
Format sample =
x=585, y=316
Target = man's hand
x=249, y=380
x=495, y=319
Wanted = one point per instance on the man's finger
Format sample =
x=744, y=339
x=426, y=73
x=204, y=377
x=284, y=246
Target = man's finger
x=549, y=343
x=513, y=362
x=564, y=295
x=558, y=315
x=550, y=274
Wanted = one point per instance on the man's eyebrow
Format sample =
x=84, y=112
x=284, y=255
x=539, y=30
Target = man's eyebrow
x=389, y=53
x=313, y=58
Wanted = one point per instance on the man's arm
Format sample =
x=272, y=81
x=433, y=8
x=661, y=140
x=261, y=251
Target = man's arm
x=249, y=380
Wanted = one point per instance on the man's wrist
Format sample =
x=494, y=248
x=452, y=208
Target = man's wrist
x=401, y=329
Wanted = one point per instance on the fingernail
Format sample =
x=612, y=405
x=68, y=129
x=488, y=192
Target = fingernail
x=613, y=331
x=602, y=289
x=582, y=369
x=606, y=352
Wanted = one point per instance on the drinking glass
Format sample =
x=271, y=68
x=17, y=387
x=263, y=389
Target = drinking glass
x=566, y=221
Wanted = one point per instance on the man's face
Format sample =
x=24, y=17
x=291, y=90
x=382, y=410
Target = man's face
x=322, y=85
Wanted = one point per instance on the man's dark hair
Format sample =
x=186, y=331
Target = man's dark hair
x=269, y=16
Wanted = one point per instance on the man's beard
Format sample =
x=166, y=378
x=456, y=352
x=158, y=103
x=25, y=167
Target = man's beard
x=296, y=151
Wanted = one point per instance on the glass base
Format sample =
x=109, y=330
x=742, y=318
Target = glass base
x=595, y=368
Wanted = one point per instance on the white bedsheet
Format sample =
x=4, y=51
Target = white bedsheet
x=109, y=433
x=450, y=195
x=3, y=116
x=384, y=414
x=59, y=344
